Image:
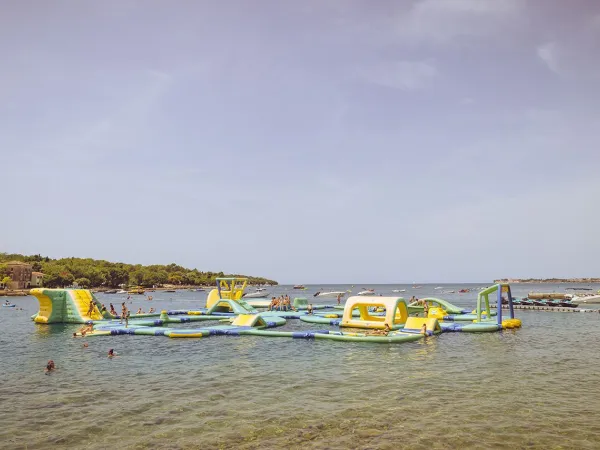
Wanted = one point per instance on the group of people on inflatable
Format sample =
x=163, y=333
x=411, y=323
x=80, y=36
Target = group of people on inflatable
x=281, y=303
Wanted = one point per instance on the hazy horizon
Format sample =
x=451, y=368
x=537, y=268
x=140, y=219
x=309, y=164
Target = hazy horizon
x=305, y=141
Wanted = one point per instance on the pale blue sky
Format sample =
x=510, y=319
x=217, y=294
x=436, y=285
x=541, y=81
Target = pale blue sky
x=307, y=141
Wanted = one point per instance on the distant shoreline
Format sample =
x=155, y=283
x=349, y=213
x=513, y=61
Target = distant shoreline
x=548, y=280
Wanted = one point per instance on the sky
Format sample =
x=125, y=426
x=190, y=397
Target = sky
x=321, y=141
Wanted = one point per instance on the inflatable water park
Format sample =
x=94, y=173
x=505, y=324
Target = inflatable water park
x=360, y=319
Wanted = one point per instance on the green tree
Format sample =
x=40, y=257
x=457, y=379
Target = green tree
x=83, y=282
x=6, y=281
x=175, y=278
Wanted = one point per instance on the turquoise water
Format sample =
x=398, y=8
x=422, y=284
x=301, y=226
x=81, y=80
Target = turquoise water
x=536, y=387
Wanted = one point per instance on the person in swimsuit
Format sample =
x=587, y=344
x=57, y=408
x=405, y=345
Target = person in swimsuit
x=151, y=311
x=309, y=309
x=339, y=298
x=50, y=366
x=123, y=312
x=111, y=353
x=424, y=330
x=91, y=308
x=425, y=308
x=103, y=310
x=139, y=311
x=112, y=310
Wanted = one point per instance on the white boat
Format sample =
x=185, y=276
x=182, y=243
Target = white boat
x=399, y=290
x=439, y=287
x=584, y=298
x=367, y=292
x=122, y=291
x=333, y=294
x=260, y=293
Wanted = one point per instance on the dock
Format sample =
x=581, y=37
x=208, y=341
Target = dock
x=547, y=308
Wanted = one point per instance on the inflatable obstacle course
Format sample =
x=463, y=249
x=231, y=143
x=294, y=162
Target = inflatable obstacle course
x=66, y=306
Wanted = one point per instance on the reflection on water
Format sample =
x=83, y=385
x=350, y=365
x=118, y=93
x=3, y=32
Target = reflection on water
x=529, y=388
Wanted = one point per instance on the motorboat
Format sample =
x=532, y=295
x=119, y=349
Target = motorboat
x=438, y=287
x=8, y=305
x=110, y=291
x=170, y=290
x=398, y=290
x=299, y=286
x=585, y=298
x=259, y=293
x=367, y=292
x=136, y=290
x=333, y=294
x=121, y=291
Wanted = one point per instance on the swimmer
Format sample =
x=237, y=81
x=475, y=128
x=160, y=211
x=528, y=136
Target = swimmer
x=424, y=330
x=111, y=353
x=50, y=366
x=85, y=345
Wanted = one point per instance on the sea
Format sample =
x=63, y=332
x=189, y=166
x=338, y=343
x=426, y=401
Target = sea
x=537, y=387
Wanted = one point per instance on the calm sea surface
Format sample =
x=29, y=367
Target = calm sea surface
x=537, y=387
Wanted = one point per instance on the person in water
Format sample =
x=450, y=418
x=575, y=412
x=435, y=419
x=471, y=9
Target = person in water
x=112, y=310
x=50, y=366
x=309, y=309
x=424, y=330
x=111, y=353
x=425, y=308
x=139, y=311
x=151, y=311
x=339, y=298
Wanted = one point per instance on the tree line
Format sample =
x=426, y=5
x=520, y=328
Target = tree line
x=93, y=273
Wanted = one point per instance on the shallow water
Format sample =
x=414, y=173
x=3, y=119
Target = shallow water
x=536, y=387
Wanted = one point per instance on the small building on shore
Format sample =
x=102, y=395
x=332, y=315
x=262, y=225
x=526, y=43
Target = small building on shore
x=20, y=274
x=36, y=279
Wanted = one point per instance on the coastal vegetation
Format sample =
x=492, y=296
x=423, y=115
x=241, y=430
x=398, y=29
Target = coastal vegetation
x=93, y=273
x=548, y=280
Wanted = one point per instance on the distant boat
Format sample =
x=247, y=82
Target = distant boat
x=439, y=287
x=170, y=290
x=586, y=298
x=111, y=291
x=122, y=291
x=333, y=294
x=416, y=287
x=136, y=290
x=399, y=290
x=260, y=293
x=8, y=305
x=367, y=292
x=299, y=286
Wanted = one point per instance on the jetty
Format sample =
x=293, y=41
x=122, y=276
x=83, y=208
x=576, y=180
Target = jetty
x=548, y=308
